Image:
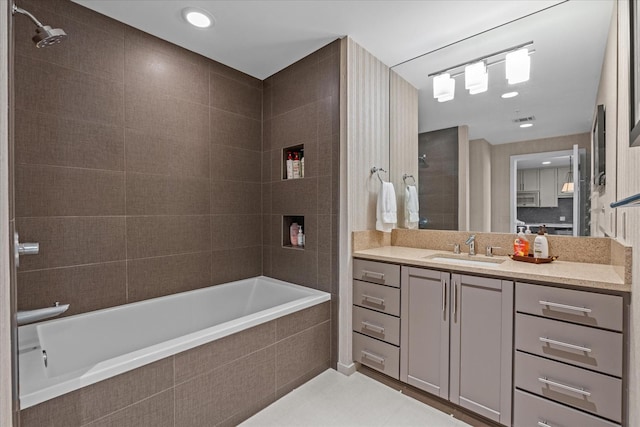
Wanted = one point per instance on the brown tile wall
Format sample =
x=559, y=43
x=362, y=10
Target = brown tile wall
x=137, y=165
x=217, y=384
x=301, y=106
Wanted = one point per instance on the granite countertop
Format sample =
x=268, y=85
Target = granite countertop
x=594, y=276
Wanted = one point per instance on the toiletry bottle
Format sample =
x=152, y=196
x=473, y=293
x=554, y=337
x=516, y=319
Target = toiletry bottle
x=300, y=237
x=289, y=166
x=296, y=165
x=524, y=242
x=541, y=244
x=518, y=243
x=293, y=234
x=527, y=231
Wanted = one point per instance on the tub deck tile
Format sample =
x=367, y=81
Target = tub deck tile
x=156, y=411
x=301, y=320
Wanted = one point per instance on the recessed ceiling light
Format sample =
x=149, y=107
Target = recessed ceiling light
x=526, y=125
x=197, y=17
x=509, y=95
x=546, y=163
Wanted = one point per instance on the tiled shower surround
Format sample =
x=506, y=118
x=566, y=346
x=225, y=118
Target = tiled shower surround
x=216, y=384
x=144, y=169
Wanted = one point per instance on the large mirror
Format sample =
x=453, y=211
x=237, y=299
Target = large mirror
x=508, y=168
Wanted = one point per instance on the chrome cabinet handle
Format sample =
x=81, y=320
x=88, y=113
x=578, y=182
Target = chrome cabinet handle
x=376, y=300
x=564, y=344
x=564, y=386
x=368, y=355
x=543, y=424
x=444, y=295
x=375, y=328
x=565, y=306
x=455, y=299
x=373, y=274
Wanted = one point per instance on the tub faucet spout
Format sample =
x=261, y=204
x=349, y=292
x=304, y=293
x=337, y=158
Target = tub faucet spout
x=471, y=241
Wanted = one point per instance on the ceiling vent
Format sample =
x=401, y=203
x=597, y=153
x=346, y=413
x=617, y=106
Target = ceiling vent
x=524, y=119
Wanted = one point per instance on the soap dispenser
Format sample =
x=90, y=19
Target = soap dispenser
x=541, y=244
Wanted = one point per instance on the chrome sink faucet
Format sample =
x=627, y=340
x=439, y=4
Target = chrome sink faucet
x=471, y=241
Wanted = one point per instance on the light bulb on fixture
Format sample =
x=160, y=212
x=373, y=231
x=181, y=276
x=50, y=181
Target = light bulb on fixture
x=476, y=79
x=444, y=87
x=518, y=66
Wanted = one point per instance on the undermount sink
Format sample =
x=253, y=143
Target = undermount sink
x=465, y=259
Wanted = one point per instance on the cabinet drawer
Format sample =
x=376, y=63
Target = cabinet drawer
x=377, y=325
x=377, y=355
x=578, y=345
x=592, y=392
x=587, y=308
x=376, y=272
x=376, y=297
x=530, y=410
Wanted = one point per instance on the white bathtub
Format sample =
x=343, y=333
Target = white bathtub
x=90, y=347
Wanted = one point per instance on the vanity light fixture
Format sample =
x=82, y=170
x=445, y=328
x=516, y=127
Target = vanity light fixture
x=509, y=95
x=526, y=125
x=476, y=72
x=517, y=66
x=197, y=17
x=567, y=187
x=476, y=79
x=444, y=87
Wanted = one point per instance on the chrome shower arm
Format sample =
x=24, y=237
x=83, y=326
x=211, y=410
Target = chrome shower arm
x=20, y=10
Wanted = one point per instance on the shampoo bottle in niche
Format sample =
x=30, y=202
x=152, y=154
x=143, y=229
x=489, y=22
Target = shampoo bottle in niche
x=289, y=166
x=541, y=244
x=296, y=165
x=300, y=237
x=293, y=234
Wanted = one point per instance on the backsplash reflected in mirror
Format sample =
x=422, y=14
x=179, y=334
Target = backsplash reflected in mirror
x=559, y=100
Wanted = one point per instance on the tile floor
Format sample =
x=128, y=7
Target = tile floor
x=333, y=399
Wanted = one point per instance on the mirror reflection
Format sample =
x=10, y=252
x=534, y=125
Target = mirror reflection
x=483, y=152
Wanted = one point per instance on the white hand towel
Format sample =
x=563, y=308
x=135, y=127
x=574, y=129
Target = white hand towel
x=386, y=210
x=411, y=209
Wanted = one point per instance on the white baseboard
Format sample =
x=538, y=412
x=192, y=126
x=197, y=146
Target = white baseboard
x=347, y=369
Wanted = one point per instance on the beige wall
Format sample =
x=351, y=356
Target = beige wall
x=500, y=166
x=403, y=113
x=365, y=143
x=602, y=216
x=480, y=185
x=628, y=219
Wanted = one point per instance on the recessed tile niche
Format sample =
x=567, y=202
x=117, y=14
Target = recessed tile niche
x=293, y=150
x=287, y=222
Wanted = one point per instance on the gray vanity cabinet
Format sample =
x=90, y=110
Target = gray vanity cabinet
x=457, y=339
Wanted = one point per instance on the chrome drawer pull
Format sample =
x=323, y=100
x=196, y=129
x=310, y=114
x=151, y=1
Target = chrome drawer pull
x=564, y=386
x=374, y=328
x=564, y=344
x=543, y=424
x=373, y=274
x=375, y=300
x=374, y=357
x=565, y=306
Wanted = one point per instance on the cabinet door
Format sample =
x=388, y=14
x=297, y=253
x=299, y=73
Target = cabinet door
x=548, y=188
x=530, y=180
x=481, y=345
x=424, y=344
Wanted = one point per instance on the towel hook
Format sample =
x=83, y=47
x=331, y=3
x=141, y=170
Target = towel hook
x=405, y=176
x=377, y=171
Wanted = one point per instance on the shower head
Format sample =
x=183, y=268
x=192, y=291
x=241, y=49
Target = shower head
x=45, y=35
